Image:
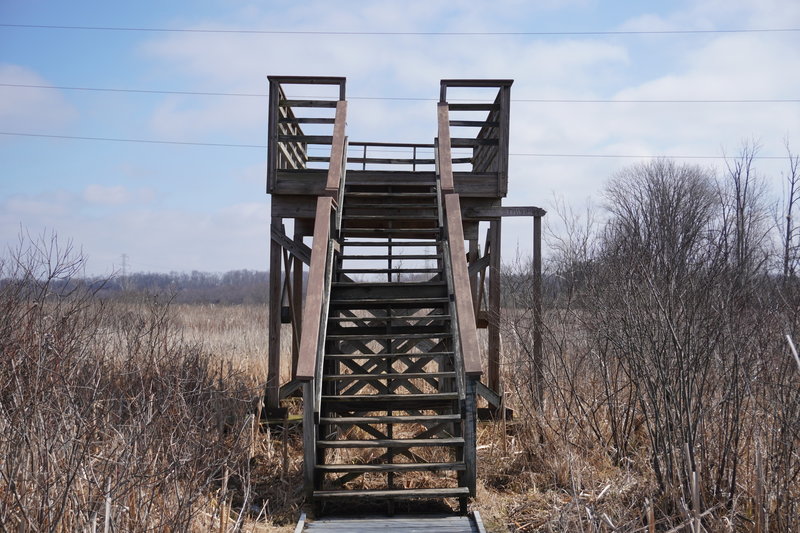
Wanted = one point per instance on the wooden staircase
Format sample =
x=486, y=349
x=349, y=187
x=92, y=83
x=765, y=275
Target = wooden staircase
x=393, y=415
x=384, y=343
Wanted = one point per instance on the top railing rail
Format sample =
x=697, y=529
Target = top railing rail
x=462, y=292
x=287, y=142
x=490, y=117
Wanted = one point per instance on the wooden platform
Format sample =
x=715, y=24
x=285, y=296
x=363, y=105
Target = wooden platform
x=402, y=524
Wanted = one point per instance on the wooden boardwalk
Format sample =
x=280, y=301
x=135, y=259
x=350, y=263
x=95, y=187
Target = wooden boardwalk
x=402, y=524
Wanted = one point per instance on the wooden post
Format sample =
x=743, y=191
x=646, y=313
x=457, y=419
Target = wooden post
x=309, y=439
x=297, y=304
x=537, y=306
x=472, y=256
x=274, y=347
x=494, y=307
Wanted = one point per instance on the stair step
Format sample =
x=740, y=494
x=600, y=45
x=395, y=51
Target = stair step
x=390, y=419
x=390, y=270
x=389, y=303
x=406, y=232
x=391, y=205
x=397, y=467
x=378, y=257
x=393, y=216
x=391, y=443
x=379, y=331
x=432, y=318
x=389, y=355
x=390, y=336
x=392, y=494
x=384, y=284
x=366, y=398
x=384, y=194
x=397, y=244
x=379, y=377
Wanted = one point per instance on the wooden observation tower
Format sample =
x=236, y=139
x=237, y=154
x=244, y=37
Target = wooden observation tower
x=384, y=287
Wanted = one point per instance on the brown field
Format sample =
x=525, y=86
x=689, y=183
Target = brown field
x=136, y=415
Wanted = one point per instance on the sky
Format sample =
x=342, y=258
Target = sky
x=178, y=207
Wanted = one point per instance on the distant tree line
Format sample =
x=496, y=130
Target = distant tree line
x=232, y=287
x=229, y=288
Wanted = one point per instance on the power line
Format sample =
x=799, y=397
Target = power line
x=400, y=33
x=263, y=147
x=116, y=139
x=518, y=100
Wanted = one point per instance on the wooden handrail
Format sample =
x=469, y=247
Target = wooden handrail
x=312, y=312
x=467, y=330
x=337, y=150
x=445, y=153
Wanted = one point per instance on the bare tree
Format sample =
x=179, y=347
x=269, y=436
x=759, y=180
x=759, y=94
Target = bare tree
x=791, y=239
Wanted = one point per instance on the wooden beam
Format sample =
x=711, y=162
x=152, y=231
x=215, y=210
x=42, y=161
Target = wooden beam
x=337, y=151
x=274, y=342
x=537, y=306
x=488, y=213
x=468, y=334
x=297, y=304
x=312, y=314
x=493, y=350
x=296, y=248
x=445, y=152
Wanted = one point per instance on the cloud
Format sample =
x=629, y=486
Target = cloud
x=28, y=109
x=227, y=238
x=115, y=195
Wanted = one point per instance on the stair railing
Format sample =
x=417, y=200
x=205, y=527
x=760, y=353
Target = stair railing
x=311, y=356
x=465, y=340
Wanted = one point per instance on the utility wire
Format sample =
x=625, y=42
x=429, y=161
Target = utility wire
x=116, y=139
x=533, y=100
x=393, y=33
x=263, y=147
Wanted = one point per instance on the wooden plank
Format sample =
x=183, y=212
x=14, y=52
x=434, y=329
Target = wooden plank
x=468, y=334
x=486, y=213
x=307, y=139
x=393, y=145
x=445, y=155
x=337, y=151
x=301, y=524
x=470, y=436
x=465, y=142
x=296, y=248
x=272, y=135
x=274, y=340
x=472, y=107
x=391, y=443
x=308, y=103
x=412, y=419
x=306, y=120
x=297, y=304
x=397, y=493
x=478, y=265
x=493, y=349
x=474, y=123
x=537, y=307
x=307, y=363
x=504, y=99
x=396, y=467
x=309, y=439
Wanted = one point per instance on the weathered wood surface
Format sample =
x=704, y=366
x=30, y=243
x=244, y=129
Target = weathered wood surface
x=402, y=524
x=338, y=155
x=312, y=314
x=468, y=334
x=445, y=155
